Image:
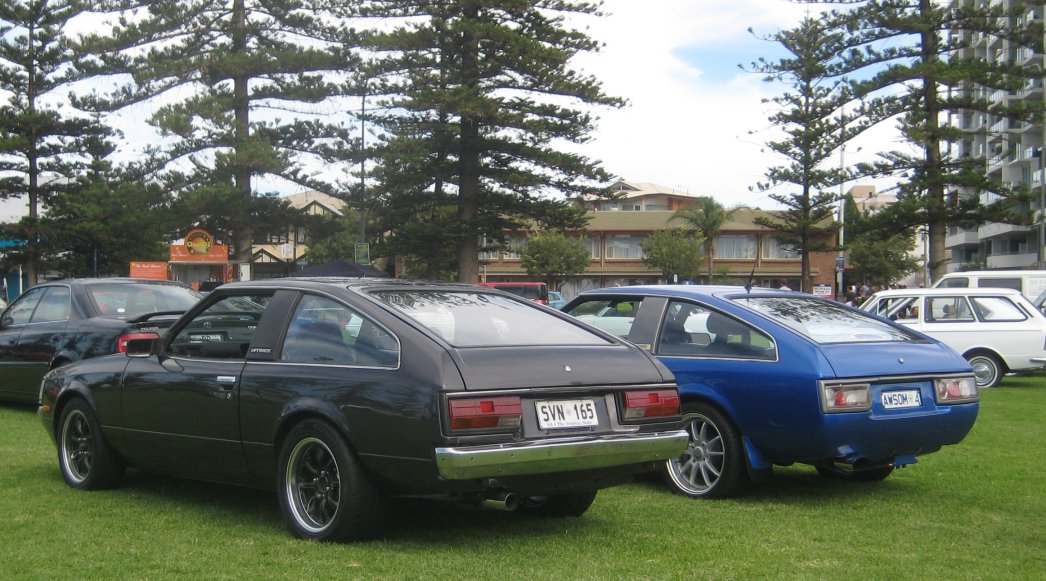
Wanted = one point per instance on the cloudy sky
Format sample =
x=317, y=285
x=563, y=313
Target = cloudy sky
x=696, y=121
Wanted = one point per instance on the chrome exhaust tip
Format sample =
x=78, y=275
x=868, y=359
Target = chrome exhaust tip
x=503, y=500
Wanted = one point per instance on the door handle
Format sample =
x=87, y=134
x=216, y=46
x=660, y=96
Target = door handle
x=227, y=381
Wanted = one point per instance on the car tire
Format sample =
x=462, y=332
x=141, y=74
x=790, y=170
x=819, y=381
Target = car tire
x=559, y=505
x=986, y=369
x=713, y=464
x=86, y=460
x=325, y=494
x=877, y=474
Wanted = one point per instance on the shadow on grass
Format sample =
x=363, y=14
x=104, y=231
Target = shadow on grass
x=425, y=521
x=798, y=484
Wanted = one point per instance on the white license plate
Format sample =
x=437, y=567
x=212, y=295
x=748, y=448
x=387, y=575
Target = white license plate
x=909, y=398
x=569, y=413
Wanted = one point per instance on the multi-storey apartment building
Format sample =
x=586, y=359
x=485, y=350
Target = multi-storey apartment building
x=1011, y=152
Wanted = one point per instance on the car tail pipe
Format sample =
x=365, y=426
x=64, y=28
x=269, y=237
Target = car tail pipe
x=501, y=500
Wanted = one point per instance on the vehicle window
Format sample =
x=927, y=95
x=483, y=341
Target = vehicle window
x=614, y=316
x=132, y=300
x=478, y=319
x=223, y=330
x=534, y=292
x=898, y=308
x=54, y=306
x=693, y=330
x=997, y=309
x=948, y=309
x=826, y=321
x=22, y=309
x=325, y=331
x=955, y=282
x=993, y=282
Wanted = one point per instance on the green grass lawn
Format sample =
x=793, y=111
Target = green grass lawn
x=972, y=511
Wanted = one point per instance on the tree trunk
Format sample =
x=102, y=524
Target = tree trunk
x=935, y=201
x=244, y=234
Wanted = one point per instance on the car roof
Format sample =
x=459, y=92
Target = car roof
x=984, y=290
x=350, y=283
x=998, y=273
x=111, y=280
x=691, y=290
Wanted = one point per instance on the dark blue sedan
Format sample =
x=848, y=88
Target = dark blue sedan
x=777, y=377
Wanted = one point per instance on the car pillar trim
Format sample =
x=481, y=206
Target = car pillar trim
x=543, y=457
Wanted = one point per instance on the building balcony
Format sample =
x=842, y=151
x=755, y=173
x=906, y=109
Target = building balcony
x=962, y=238
x=996, y=229
x=1012, y=261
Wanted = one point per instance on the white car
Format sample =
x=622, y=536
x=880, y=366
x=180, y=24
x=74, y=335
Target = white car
x=996, y=329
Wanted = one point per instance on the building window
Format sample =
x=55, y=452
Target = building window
x=735, y=246
x=625, y=246
x=773, y=248
x=514, y=247
x=489, y=249
x=595, y=247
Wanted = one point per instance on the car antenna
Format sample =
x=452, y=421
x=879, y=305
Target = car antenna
x=751, y=280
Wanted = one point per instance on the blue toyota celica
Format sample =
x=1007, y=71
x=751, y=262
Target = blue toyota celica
x=778, y=377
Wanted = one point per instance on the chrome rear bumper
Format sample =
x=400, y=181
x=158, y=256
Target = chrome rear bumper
x=562, y=455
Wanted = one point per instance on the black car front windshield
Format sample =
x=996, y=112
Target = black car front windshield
x=826, y=321
x=478, y=319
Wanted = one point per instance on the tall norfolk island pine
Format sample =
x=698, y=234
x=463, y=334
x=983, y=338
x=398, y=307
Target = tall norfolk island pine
x=42, y=148
x=903, y=56
x=240, y=88
x=471, y=97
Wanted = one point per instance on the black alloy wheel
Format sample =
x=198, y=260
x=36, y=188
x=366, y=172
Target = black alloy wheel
x=325, y=494
x=87, y=462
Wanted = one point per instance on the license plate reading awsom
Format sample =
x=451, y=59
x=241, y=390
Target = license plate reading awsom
x=909, y=398
x=570, y=413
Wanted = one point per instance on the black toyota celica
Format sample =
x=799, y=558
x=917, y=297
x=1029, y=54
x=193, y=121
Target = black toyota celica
x=342, y=393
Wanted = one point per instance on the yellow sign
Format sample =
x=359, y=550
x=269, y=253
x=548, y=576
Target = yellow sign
x=198, y=242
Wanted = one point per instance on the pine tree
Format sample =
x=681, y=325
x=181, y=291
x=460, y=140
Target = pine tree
x=471, y=97
x=242, y=89
x=41, y=145
x=815, y=125
x=902, y=57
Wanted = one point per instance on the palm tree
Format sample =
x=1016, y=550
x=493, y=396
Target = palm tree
x=707, y=219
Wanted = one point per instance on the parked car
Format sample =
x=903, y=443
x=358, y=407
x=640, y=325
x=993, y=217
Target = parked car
x=1030, y=282
x=61, y=322
x=556, y=300
x=771, y=377
x=996, y=329
x=340, y=393
x=535, y=291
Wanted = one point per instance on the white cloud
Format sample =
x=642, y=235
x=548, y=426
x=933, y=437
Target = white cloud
x=690, y=123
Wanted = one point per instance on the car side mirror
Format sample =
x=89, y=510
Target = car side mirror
x=144, y=347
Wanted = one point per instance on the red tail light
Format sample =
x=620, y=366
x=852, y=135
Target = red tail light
x=121, y=343
x=651, y=404
x=485, y=413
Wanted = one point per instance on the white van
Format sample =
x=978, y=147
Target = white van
x=1031, y=283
